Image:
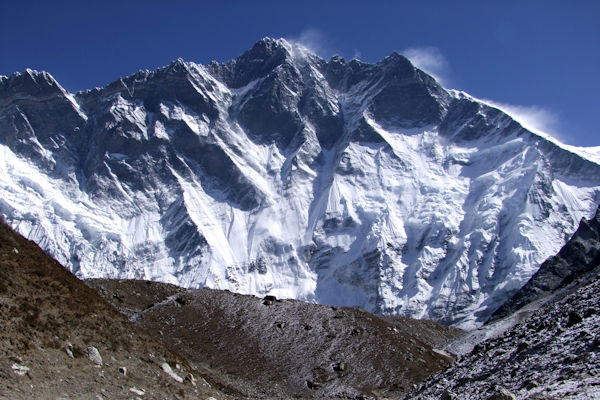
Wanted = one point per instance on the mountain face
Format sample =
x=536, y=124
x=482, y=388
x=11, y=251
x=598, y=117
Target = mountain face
x=339, y=182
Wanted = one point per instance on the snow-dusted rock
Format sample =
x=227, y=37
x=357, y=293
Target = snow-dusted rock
x=20, y=369
x=544, y=356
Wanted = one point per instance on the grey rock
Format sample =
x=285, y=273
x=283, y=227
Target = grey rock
x=69, y=349
x=340, y=366
x=93, y=355
x=447, y=395
x=20, y=369
x=269, y=300
x=138, y=391
x=574, y=318
x=313, y=385
x=502, y=394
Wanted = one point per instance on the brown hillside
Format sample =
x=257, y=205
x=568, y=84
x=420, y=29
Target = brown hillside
x=45, y=312
x=284, y=348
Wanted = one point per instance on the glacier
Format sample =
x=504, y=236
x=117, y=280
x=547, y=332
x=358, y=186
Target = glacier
x=337, y=182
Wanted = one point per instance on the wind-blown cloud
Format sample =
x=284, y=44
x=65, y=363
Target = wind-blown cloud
x=534, y=118
x=314, y=41
x=431, y=60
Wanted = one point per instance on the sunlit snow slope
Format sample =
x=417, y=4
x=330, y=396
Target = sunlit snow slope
x=338, y=182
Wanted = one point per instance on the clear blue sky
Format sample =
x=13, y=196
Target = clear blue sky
x=541, y=55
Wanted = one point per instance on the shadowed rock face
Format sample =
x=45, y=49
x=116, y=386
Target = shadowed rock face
x=580, y=255
x=409, y=98
x=38, y=118
x=264, y=57
x=381, y=189
x=270, y=348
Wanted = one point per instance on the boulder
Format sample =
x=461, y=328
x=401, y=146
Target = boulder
x=269, y=300
x=574, y=318
x=169, y=371
x=501, y=393
x=93, y=355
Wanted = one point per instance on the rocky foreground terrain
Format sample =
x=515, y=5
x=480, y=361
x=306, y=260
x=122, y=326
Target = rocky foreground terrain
x=554, y=354
x=270, y=348
x=59, y=339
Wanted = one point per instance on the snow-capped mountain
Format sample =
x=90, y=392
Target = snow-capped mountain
x=339, y=182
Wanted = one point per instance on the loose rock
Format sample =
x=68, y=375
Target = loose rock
x=69, y=349
x=20, y=369
x=169, y=371
x=191, y=379
x=313, y=385
x=447, y=395
x=269, y=300
x=574, y=319
x=502, y=394
x=339, y=367
x=139, y=392
x=93, y=355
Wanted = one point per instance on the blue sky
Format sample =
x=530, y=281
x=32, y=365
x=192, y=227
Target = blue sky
x=540, y=57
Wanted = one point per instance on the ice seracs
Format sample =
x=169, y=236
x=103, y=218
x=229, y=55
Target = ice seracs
x=279, y=173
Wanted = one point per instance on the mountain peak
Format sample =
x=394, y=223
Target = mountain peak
x=398, y=63
x=267, y=48
x=177, y=66
x=264, y=56
x=32, y=82
x=267, y=40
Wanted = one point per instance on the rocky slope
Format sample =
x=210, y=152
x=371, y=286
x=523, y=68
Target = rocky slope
x=59, y=339
x=337, y=182
x=269, y=348
x=552, y=352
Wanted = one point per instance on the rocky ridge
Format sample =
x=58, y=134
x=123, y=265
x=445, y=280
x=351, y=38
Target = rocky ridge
x=555, y=353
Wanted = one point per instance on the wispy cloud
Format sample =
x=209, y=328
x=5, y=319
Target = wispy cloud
x=314, y=40
x=535, y=118
x=318, y=43
x=431, y=60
